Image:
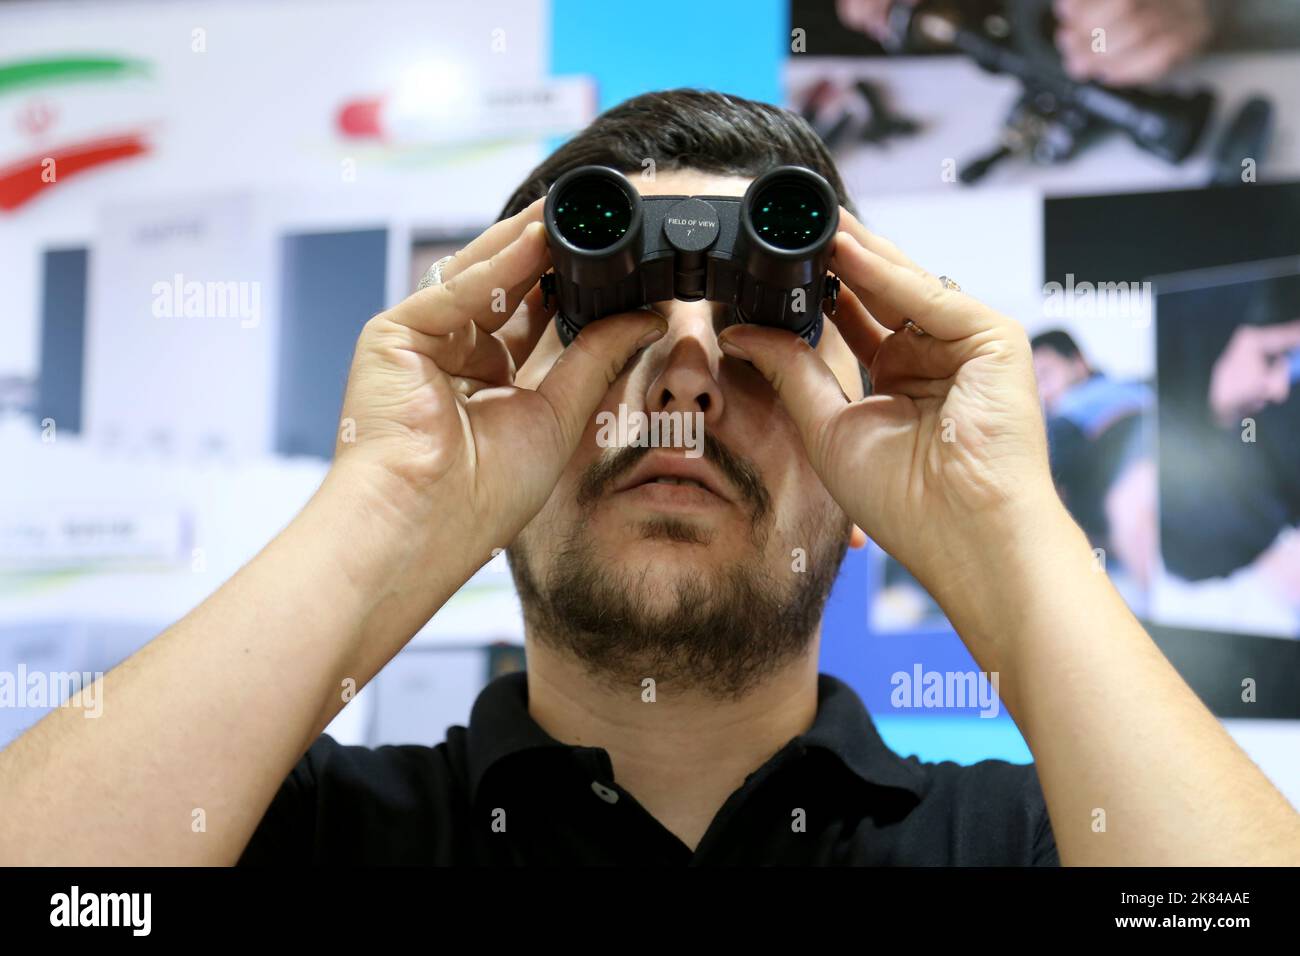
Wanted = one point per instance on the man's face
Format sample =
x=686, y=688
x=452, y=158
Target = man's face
x=1056, y=374
x=712, y=586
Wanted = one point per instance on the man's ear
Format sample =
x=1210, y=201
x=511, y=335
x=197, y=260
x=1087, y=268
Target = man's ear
x=858, y=538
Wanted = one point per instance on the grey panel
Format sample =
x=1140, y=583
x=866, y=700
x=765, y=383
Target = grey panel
x=63, y=338
x=333, y=283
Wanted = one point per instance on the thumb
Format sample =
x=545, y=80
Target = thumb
x=805, y=384
x=1281, y=337
x=586, y=369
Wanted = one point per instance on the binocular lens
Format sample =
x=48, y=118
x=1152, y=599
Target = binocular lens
x=593, y=213
x=788, y=215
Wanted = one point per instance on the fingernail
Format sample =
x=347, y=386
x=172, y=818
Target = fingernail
x=653, y=335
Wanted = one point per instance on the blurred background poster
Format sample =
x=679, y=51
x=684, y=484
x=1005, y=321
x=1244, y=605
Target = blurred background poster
x=1229, y=458
x=1082, y=193
x=1142, y=227
x=240, y=186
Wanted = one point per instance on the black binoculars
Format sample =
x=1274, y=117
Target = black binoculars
x=765, y=254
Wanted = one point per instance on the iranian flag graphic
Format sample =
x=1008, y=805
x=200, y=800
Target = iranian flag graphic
x=65, y=111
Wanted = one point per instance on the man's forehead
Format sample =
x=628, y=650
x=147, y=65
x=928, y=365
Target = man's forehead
x=690, y=182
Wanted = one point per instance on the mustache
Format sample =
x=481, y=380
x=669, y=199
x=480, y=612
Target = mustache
x=739, y=471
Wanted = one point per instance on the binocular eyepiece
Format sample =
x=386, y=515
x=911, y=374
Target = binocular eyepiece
x=765, y=254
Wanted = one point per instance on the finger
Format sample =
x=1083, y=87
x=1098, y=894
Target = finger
x=859, y=329
x=526, y=326
x=1075, y=35
x=882, y=311
x=585, y=370
x=884, y=314
x=493, y=240
x=1090, y=14
x=490, y=358
x=1075, y=46
x=894, y=294
x=487, y=293
x=1282, y=337
x=876, y=243
x=852, y=13
x=544, y=354
x=1143, y=65
x=805, y=384
x=869, y=16
x=485, y=359
x=893, y=358
x=1130, y=36
x=905, y=357
x=469, y=352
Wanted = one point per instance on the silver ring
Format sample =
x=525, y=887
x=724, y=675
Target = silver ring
x=434, y=275
x=949, y=284
x=913, y=327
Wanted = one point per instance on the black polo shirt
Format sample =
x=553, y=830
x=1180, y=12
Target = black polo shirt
x=505, y=792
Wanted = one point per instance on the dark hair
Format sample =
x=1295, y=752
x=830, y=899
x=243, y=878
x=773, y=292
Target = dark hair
x=1059, y=341
x=687, y=129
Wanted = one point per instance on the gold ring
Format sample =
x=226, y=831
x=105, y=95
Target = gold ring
x=948, y=284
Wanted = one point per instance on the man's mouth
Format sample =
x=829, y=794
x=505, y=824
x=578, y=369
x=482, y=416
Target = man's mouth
x=678, y=495
x=675, y=479
x=665, y=480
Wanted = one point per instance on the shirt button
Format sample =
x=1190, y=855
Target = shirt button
x=602, y=791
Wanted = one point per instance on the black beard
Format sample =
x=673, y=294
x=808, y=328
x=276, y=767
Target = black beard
x=719, y=638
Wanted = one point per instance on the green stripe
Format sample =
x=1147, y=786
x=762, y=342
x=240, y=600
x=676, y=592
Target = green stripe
x=27, y=73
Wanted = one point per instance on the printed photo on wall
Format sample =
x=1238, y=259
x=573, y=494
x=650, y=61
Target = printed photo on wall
x=1228, y=359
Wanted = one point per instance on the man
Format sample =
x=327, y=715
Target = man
x=1229, y=416
x=671, y=711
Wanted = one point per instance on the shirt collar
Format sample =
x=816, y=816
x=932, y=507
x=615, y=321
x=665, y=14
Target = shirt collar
x=843, y=727
x=500, y=728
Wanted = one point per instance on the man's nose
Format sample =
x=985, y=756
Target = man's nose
x=685, y=376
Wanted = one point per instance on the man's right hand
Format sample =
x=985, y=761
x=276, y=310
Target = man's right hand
x=440, y=458
x=432, y=420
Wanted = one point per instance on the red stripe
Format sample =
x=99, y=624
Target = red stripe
x=22, y=181
x=360, y=119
